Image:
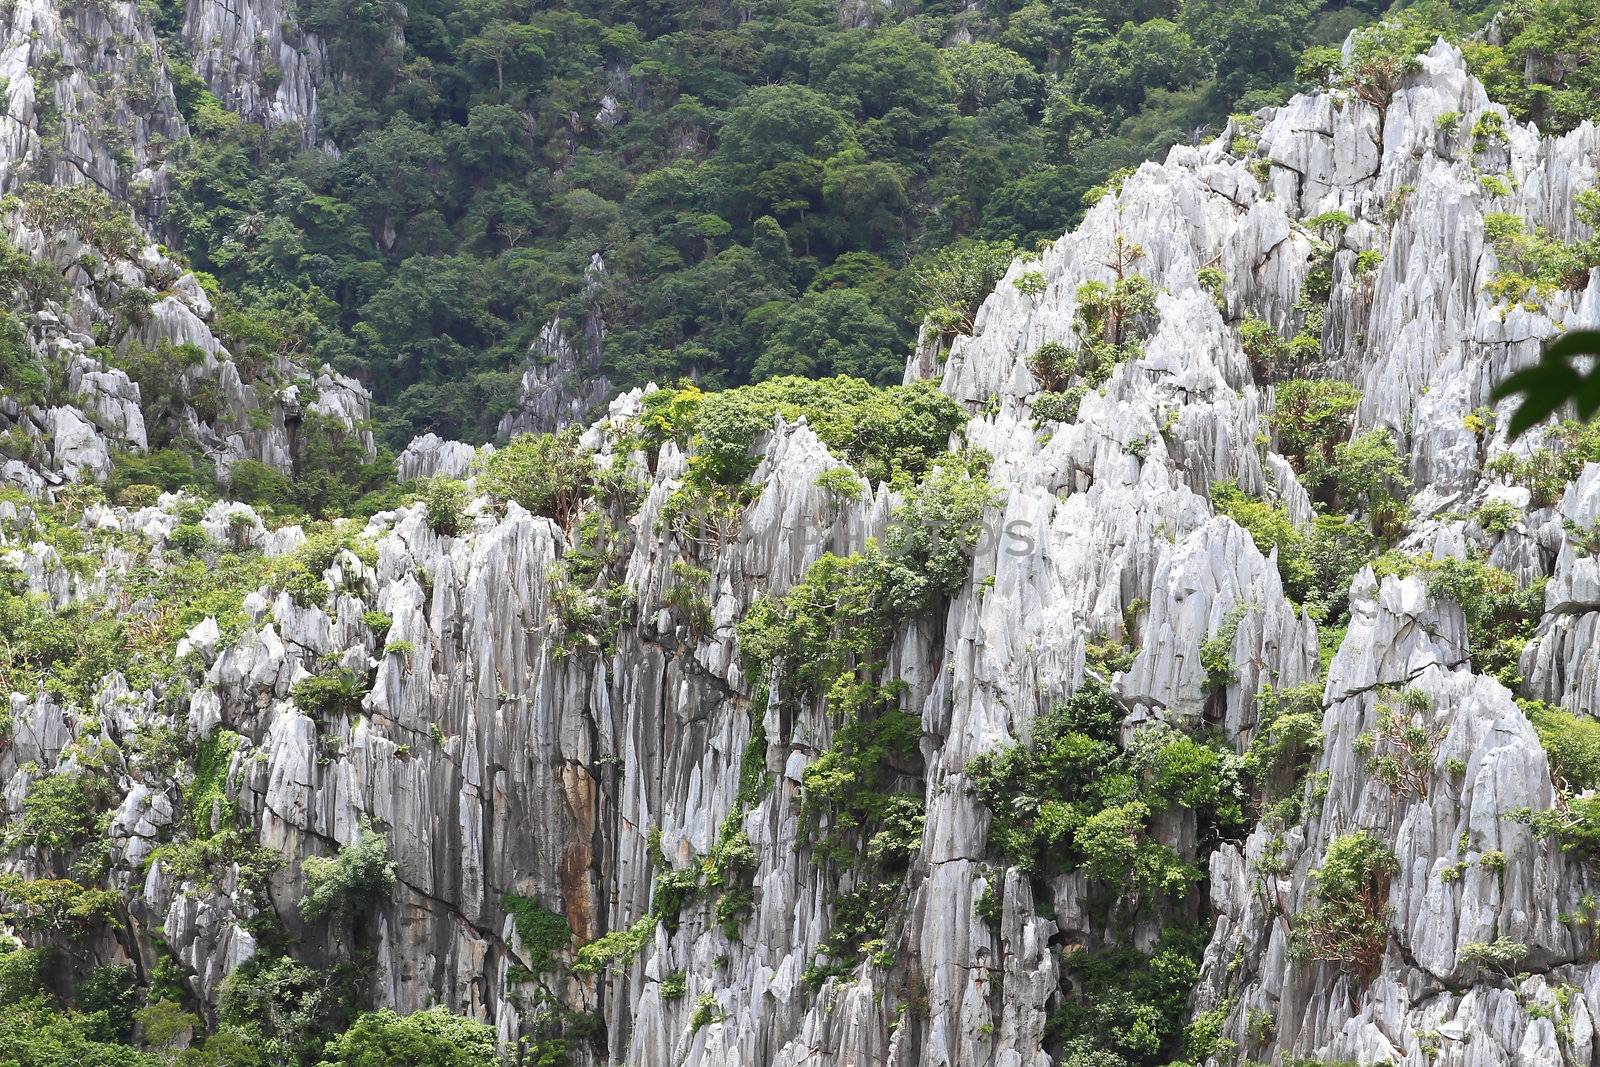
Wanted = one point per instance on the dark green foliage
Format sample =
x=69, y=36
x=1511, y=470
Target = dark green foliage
x=1269, y=526
x=209, y=859
x=112, y=993
x=22, y=973
x=1316, y=566
x=444, y=501
x=767, y=153
x=827, y=637
x=1349, y=926
x=1312, y=418
x=617, y=947
x=1126, y=1007
x=35, y=1034
x=169, y=470
x=1546, y=471
x=1074, y=799
x=1526, y=71
x=543, y=932
x=55, y=905
x=84, y=209
x=332, y=473
x=951, y=283
x=1574, y=824
x=859, y=920
x=673, y=890
x=854, y=780
x=359, y=875
x=1216, y=652
x=21, y=377
x=1057, y=407
x=1572, y=745
x=284, y=1009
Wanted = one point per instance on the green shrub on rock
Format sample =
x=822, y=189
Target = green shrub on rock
x=1349, y=926
x=548, y=474
x=433, y=1038
x=359, y=874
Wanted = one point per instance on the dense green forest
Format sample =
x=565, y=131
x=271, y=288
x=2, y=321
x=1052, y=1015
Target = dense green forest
x=780, y=192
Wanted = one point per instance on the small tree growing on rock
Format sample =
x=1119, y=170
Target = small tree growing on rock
x=548, y=474
x=1400, y=751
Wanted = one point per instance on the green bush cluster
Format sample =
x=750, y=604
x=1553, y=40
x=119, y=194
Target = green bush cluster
x=543, y=932
x=21, y=377
x=444, y=502
x=1312, y=419
x=1216, y=651
x=432, y=1038
x=1520, y=67
x=274, y=1012
x=888, y=434
x=1075, y=800
x=1530, y=265
x=301, y=573
x=1572, y=745
x=1316, y=566
x=1287, y=739
x=1123, y=1007
x=55, y=905
x=617, y=947
x=547, y=474
x=163, y=594
x=208, y=859
x=64, y=811
x=1349, y=925
x=328, y=696
x=358, y=875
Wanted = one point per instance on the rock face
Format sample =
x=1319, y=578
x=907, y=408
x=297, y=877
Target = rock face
x=92, y=111
x=564, y=383
x=87, y=101
x=255, y=57
x=504, y=752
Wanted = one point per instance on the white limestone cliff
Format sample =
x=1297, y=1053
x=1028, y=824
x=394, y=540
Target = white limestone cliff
x=501, y=757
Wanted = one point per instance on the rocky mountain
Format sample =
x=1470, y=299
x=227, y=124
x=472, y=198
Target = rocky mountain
x=1180, y=667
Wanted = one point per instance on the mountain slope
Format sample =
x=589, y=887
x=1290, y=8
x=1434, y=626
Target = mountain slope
x=1144, y=689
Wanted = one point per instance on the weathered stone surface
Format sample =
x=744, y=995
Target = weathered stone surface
x=502, y=751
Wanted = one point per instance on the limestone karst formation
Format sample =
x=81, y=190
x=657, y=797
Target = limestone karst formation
x=722, y=761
